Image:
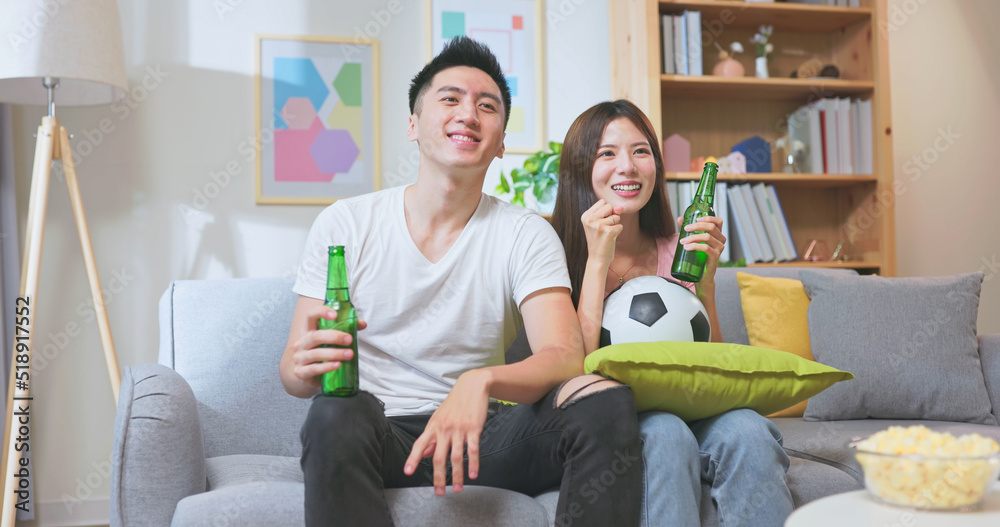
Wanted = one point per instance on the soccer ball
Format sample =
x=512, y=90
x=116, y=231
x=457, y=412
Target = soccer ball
x=653, y=309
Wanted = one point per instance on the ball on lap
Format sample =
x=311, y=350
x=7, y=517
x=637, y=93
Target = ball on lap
x=653, y=309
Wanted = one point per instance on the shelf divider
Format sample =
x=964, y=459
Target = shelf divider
x=783, y=16
x=752, y=88
x=796, y=180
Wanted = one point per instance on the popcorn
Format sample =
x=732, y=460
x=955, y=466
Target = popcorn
x=932, y=471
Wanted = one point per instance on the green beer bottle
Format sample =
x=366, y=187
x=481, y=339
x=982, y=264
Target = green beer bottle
x=343, y=381
x=689, y=266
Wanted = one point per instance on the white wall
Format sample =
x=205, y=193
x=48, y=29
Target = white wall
x=142, y=181
x=946, y=120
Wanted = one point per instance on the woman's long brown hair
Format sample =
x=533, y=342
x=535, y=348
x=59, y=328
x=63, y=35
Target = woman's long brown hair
x=576, y=189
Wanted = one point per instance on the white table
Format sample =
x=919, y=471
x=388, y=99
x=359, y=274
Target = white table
x=858, y=509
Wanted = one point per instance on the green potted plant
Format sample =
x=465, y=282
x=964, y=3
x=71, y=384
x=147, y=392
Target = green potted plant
x=540, y=175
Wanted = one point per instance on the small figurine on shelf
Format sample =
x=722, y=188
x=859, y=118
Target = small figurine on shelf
x=729, y=66
x=816, y=252
x=795, y=158
x=764, y=48
x=814, y=68
x=757, y=153
x=676, y=153
x=737, y=163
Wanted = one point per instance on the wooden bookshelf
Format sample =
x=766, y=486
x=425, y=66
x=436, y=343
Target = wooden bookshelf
x=715, y=113
x=754, y=89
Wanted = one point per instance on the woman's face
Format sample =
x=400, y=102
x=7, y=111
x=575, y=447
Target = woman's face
x=624, y=170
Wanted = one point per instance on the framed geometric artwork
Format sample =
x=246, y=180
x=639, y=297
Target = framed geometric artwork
x=512, y=29
x=317, y=119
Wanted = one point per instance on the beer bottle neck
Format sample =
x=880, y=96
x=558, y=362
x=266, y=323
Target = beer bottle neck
x=336, y=276
x=706, y=187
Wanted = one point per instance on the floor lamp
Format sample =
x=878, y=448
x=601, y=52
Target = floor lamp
x=71, y=53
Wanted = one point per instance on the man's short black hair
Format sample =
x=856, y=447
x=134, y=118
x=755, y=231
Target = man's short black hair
x=461, y=51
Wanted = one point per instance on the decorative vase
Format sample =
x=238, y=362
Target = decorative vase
x=761, y=67
x=728, y=68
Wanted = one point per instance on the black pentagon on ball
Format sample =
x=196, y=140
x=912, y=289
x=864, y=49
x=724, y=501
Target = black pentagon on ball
x=605, y=337
x=701, y=328
x=647, y=308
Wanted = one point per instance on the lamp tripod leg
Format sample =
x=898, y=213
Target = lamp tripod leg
x=31, y=266
x=88, y=258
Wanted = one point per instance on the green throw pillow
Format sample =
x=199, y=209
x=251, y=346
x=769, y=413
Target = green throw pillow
x=696, y=380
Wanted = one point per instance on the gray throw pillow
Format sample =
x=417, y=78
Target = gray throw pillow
x=910, y=343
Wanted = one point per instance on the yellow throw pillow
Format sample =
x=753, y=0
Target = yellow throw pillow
x=697, y=380
x=775, y=313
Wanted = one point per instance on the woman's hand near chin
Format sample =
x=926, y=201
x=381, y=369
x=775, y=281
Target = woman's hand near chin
x=602, y=225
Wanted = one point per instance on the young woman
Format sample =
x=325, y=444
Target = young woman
x=613, y=217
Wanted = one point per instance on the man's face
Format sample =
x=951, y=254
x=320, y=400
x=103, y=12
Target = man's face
x=459, y=120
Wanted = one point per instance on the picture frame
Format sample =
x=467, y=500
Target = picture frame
x=513, y=30
x=317, y=118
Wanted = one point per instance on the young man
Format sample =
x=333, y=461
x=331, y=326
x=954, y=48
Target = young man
x=444, y=276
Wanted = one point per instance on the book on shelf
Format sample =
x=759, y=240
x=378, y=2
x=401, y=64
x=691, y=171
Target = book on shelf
x=757, y=223
x=769, y=220
x=758, y=228
x=774, y=222
x=739, y=243
x=844, y=133
x=822, y=135
x=749, y=246
x=786, y=233
x=856, y=162
x=681, y=43
x=667, y=41
x=837, y=133
x=867, y=140
x=828, y=117
x=816, y=139
x=693, y=19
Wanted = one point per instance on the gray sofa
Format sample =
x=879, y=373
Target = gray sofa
x=209, y=437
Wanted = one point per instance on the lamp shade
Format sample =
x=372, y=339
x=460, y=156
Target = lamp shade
x=78, y=42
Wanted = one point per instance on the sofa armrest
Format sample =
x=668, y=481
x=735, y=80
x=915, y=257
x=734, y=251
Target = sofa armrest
x=989, y=356
x=158, y=454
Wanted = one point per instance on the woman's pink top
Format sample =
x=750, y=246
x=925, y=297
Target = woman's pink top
x=664, y=259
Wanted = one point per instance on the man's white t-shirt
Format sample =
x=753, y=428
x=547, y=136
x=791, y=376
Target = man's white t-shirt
x=430, y=322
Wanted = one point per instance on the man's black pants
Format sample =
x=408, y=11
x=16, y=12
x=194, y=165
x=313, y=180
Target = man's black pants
x=588, y=447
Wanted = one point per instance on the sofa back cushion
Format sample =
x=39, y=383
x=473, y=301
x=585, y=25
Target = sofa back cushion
x=727, y=295
x=226, y=337
x=911, y=342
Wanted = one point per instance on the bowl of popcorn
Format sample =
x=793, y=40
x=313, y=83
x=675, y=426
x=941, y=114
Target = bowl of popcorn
x=920, y=468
